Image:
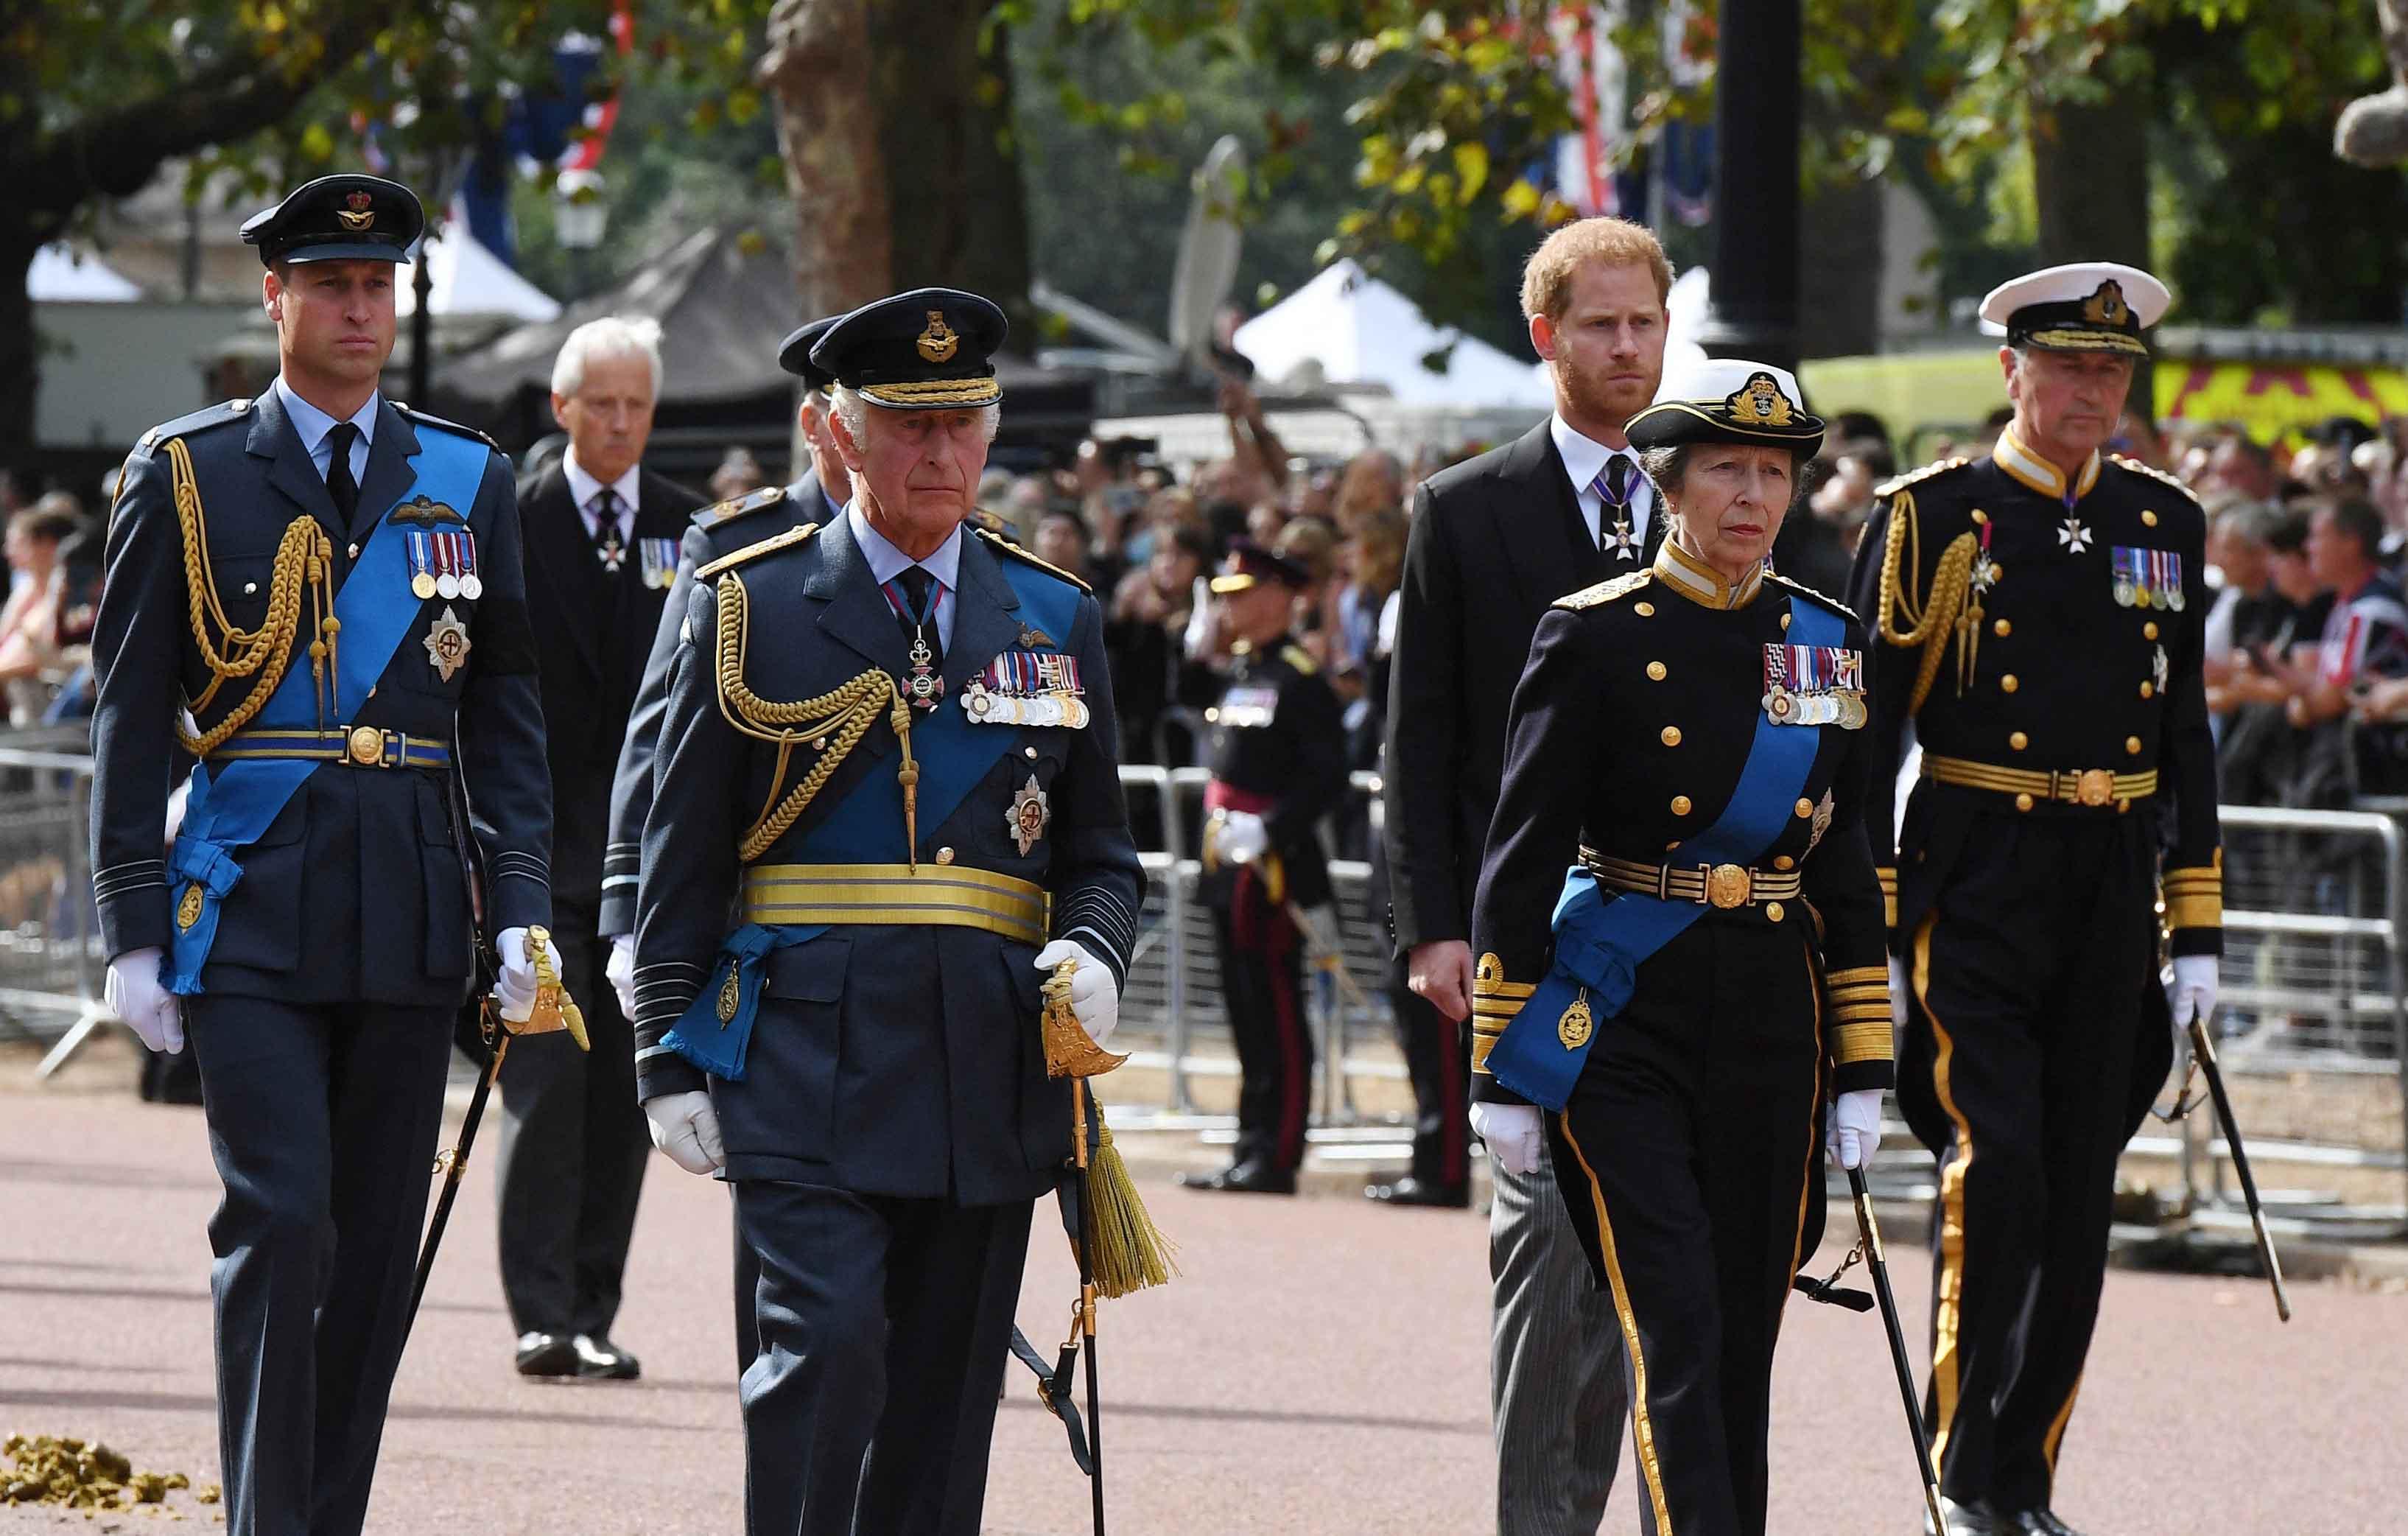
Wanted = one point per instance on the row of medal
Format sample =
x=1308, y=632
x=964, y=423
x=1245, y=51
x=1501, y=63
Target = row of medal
x=443, y=565
x=2148, y=579
x=1027, y=688
x=1814, y=685
x=658, y=560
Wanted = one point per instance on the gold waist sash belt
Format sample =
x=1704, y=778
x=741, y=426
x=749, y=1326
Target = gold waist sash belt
x=793, y=895
x=1723, y=885
x=2092, y=787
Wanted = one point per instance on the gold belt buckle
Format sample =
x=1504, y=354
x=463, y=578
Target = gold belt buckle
x=2094, y=786
x=367, y=746
x=1726, y=886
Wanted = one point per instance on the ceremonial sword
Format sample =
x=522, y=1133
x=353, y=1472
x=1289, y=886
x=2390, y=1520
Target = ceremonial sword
x=2203, y=1054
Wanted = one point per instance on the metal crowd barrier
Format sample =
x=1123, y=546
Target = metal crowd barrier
x=51, y=964
x=2311, y=1024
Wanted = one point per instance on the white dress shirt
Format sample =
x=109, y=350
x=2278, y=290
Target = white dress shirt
x=886, y=562
x=1585, y=459
x=583, y=488
x=313, y=424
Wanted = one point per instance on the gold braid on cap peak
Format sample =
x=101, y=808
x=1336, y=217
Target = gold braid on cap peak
x=1954, y=606
x=844, y=713
x=305, y=554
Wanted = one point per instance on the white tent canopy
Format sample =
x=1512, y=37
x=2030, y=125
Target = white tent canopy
x=466, y=279
x=1348, y=327
x=60, y=274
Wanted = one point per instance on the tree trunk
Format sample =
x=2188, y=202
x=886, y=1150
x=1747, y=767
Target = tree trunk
x=827, y=135
x=960, y=212
x=19, y=360
x=2090, y=180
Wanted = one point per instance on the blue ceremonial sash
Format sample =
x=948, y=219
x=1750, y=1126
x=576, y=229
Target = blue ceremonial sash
x=717, y=1045
x=226, y=812
x=1602, y=940
x=954, y=753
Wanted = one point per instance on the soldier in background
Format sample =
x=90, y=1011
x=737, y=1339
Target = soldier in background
x=2037, y=616
x=1278, y=766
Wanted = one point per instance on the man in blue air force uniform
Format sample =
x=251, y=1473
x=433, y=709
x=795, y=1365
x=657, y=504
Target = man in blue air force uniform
x=318, y=595
x=888, y=752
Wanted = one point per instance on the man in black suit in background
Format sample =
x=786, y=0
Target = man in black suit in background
x=602, y=537
x=1494, y=541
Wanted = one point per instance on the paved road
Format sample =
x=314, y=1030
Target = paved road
x=1321, y=1369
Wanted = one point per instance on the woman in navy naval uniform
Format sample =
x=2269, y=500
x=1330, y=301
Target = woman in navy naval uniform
x=1680, y=935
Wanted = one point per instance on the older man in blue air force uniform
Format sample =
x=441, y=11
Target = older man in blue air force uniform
x=888, y=751
x=317, y=595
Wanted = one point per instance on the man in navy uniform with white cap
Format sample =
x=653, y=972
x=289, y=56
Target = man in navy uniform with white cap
x=2037, y=618
x=318, y=595
x=889, y=752
x=817, y=495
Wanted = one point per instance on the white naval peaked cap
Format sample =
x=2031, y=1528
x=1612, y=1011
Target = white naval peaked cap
x=2080, y=307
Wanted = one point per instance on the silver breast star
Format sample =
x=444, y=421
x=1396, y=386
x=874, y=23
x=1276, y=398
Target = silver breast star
x=2073, y=536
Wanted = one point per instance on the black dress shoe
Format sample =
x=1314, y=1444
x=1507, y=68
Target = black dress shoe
x=1410, y=1190
x=599, y=1359
x=1253, y=1178
x=546, y=1355
x=1971, y=1519
x=2041, y=1522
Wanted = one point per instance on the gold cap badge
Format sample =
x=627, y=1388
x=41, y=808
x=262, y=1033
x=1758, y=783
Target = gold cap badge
x=1760, y=403
x=2107, y=306
x=937, y=343
x=360, y=215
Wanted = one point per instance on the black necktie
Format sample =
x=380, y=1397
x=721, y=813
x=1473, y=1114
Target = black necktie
x=607, y=546
x=920, y=592
x=1615, y=535
x=340, y=484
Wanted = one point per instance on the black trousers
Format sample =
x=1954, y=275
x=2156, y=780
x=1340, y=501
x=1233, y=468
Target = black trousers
x=2031, y=978
x=1689, y=1157
x=1262, y=982
x=1438, y=1059
x=570, y=1163
x=884, y=1325
x=322, y=1119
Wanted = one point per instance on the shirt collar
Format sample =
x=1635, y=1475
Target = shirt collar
x=1692, y=579
x=313, y=424
x=2028, y=467
x=886, y=562
x=1583, y=456
x=582, y=487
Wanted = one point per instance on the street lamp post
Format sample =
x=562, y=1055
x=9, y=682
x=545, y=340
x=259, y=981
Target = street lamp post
x=1756, y=102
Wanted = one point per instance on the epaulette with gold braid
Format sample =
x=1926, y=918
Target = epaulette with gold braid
x=1606, y=591
x=1903, y=615
x=1004, y=546
x=2138, y=468
x=208, y=416
x=1835, y=605
x=1299, y=658
x=719, y=512
x=1938, y=466
x=799, y=534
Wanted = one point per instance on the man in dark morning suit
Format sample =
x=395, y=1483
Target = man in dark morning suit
x=1494, y=542
x=357, y=627
x=601, y=536
x=721, y=528
x=886, y=809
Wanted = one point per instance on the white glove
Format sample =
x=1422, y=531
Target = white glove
x=684, y=1126
x=137, y=995
x=514, y=987
x=1898, y=993
x=2191, y=994
x=1242, y=838
x=1094, y=995
x=1855, y=1132
x=620, y=971
x=1513, y=1132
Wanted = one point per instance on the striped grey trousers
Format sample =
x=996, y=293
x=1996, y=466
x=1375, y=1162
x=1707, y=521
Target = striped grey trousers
x=1556, y=1379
